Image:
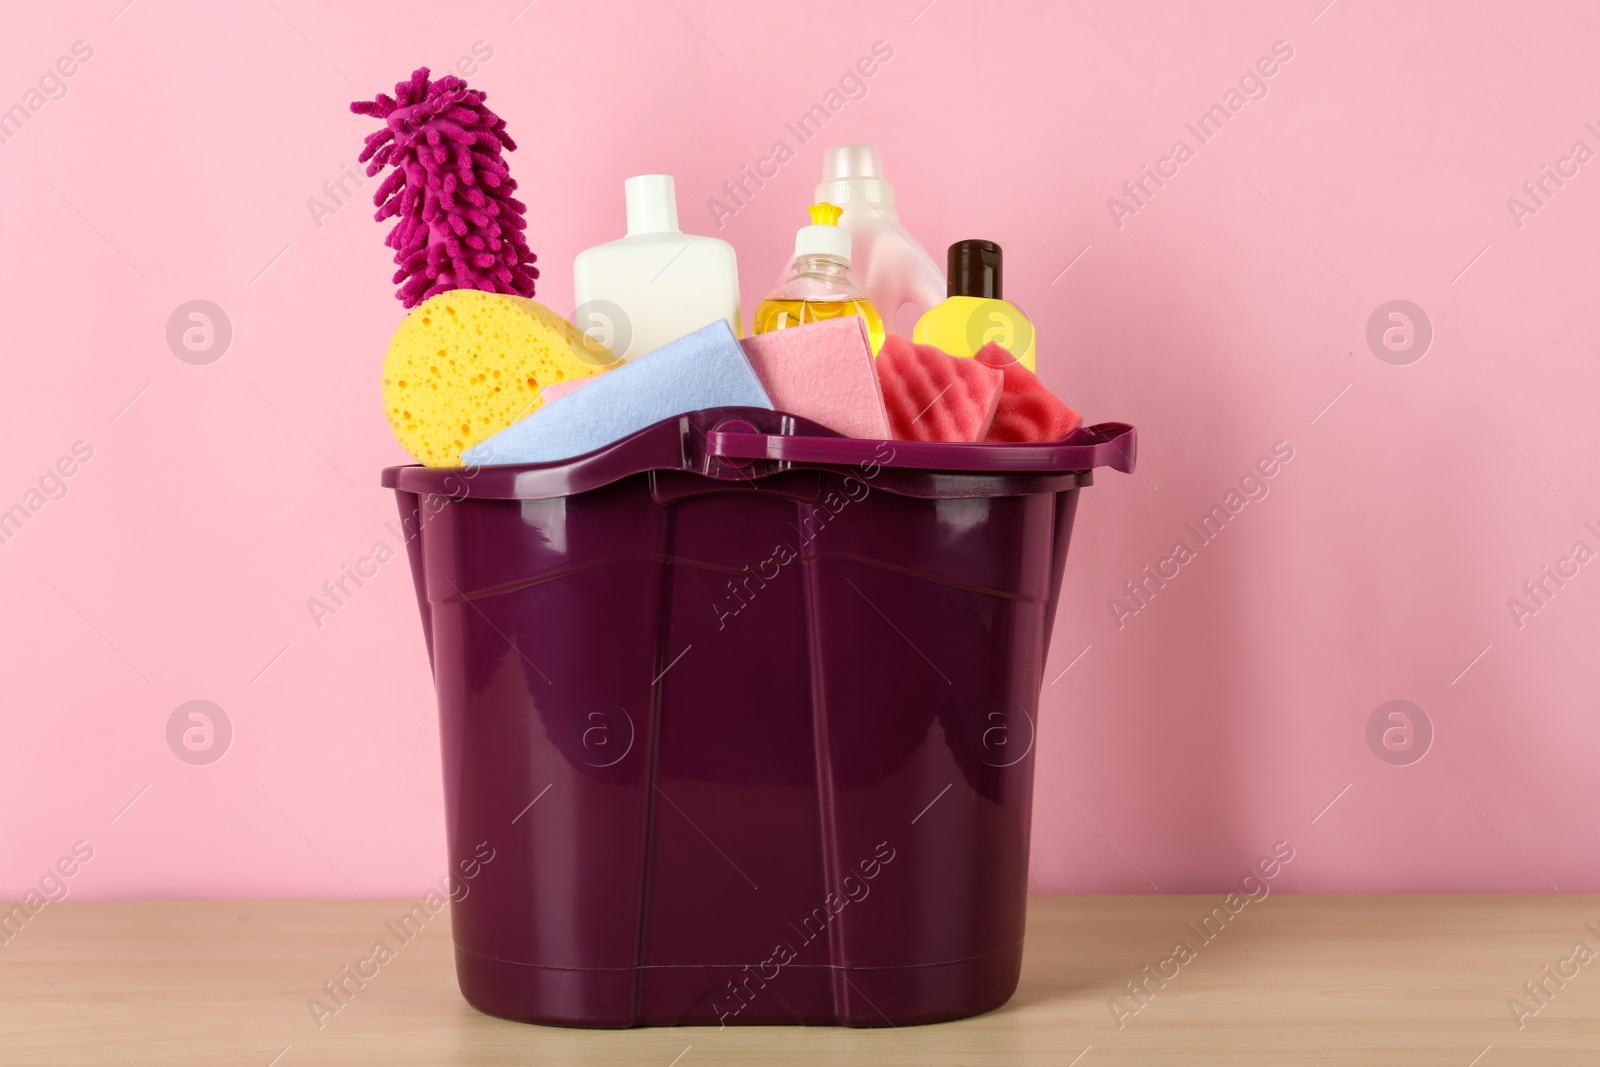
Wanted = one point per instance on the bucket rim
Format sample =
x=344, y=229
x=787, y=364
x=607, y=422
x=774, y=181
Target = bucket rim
x=745, y=444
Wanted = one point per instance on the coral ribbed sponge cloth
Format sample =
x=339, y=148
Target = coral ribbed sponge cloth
x=1028, y=410
x=934, y=396
x=466, y=364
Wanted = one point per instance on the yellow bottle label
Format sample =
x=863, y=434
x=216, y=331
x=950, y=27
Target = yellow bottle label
x=963, y=324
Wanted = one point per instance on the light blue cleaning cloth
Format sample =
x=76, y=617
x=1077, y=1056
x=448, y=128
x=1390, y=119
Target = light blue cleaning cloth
x=704, y=369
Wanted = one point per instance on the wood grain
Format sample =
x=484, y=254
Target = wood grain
x=1292, y=980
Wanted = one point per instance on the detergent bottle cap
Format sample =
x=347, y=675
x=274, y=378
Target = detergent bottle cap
x=823, y=237
x=854, y=172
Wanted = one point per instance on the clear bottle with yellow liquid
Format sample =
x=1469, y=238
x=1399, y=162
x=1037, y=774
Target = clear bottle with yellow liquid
x=819, y=286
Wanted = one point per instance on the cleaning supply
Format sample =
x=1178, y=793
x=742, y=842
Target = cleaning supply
x=819, y=285
x=934, y=396
x=706, y=369
x=823, y=371
x=556, y=390
x=974, y=315
x=457, y=224
x=890, y=267
x=1028, y=410
x=465, y=364
x=657, y=283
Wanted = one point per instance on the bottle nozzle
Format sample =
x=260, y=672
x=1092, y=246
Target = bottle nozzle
x=825, y=214
x=824, y=237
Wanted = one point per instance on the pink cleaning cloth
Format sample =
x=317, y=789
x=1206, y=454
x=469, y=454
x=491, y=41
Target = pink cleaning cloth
x=823, y=371
x=557, y=390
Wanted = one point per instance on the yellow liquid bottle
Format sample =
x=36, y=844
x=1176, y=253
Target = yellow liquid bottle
x=819, y=287
x=974, y=315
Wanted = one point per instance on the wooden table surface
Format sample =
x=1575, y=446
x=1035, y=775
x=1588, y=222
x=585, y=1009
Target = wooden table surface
x=1291, y=980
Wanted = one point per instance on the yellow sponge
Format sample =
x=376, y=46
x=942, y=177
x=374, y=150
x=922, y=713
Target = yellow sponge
x=466, y=364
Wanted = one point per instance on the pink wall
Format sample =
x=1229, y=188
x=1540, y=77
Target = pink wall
x=1226, y=314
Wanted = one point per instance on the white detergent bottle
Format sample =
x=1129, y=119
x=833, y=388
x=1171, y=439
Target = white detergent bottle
x=890, y=268
x=656, y=284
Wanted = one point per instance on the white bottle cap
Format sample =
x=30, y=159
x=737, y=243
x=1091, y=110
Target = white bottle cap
x=652, y=204
x=822, y=241
x=854, y=172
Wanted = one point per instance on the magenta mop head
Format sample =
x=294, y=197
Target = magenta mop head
x=458, y=226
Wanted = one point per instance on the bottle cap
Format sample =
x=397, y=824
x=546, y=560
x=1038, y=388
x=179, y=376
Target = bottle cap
x=652, y=204
x=824, y=214
x=823, y=237
x=974, y=269
x=854, y=172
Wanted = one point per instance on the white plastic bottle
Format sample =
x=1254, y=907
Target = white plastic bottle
x=656, y=284
x=890, y=268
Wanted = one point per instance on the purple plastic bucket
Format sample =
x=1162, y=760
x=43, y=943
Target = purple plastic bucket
x=742, y=714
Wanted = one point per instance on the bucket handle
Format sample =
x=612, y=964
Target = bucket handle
x=1110, y=444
